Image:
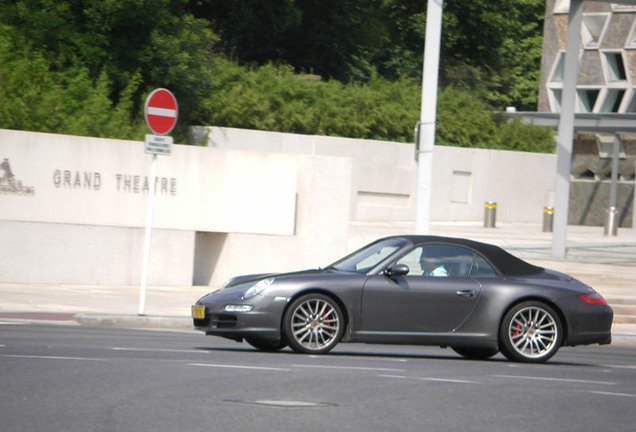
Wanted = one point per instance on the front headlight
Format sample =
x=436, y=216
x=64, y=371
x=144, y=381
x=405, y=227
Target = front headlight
x=258, y=288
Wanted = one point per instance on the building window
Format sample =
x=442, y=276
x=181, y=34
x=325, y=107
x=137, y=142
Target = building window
x=555, y=99
x=631, y=107
x=561, y=6
x=612, y=101
x=557, y=71
x=614, y=66
x=593, y=29
x=631, y=40
x=623, y=8
x=587, y=99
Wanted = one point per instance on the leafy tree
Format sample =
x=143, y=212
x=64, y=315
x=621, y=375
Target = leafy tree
x=491, y=47
x=153, y=43
x=85, y=66
x=34, y=96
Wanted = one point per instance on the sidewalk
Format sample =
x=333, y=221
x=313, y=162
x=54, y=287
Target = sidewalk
x=608, y=264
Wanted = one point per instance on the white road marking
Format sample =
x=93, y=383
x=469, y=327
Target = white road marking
x=226, y=366
x=52, y=357
x=565, y=380
x=158, y=350
x=348, y=368
x=345, y=357
x=614, y=394
x=447, y=380
x=620, y=366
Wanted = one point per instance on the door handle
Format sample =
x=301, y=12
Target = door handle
x=466, y=293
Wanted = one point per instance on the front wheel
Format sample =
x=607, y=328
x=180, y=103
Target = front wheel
x=530, y=332
x=313, y=324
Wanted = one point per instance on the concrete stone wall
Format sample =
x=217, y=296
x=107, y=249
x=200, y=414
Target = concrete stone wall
x=384, y=175
x=73, y=209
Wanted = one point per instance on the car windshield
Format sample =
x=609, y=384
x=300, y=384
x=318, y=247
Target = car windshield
x=365, y=259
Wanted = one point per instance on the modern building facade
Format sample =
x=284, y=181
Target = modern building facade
x=605, y=89
x=607, y=62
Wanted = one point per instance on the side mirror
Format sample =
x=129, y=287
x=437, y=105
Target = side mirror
x=397, y=270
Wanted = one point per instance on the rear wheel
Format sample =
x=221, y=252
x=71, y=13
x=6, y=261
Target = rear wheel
x=266, y=345
x=313, y=324
x=530, y=332
x=475, y=353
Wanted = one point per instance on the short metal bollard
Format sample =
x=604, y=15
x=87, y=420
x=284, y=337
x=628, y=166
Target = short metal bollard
x=548, y=219
x=490, y=214
x=611, y=221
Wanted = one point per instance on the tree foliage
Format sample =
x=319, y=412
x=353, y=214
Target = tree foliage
x=491, y=47
x=272, y=97
x=125, y=46
x=334, y=67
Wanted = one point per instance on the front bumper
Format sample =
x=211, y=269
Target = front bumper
x=264, y=321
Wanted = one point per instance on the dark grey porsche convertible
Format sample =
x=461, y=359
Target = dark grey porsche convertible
x=473, y=297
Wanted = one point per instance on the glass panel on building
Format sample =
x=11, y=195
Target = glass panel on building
x=557, y=75
x=561, y=6
x=613, y=99
x=615, y=66
x=555, y=99
x=587, y=99
x=631, y=40
x=593, y=28
x=631, y=107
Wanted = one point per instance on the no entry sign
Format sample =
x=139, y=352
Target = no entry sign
x=161, y=111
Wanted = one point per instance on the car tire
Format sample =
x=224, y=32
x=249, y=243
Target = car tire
x=266, y=345
x=313, y=324
x=475, y=353
x=531, y=332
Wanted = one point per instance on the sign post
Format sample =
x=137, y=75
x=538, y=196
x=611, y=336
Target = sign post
x=161, y=112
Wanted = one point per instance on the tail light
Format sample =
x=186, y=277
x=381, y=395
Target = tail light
x=593, y=298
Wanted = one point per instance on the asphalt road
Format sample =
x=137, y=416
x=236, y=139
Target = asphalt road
x=71, y=378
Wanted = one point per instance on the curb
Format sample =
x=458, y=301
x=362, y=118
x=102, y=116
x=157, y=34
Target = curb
x=138, y=321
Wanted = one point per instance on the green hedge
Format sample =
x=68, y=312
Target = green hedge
x=273, y=98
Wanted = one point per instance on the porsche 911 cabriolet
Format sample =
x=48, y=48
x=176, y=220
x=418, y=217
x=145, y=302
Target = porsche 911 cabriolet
x=473, y=297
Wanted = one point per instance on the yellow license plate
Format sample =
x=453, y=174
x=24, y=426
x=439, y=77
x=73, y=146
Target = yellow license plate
x=198, y=312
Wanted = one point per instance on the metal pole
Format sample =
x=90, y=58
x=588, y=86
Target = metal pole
x=634, y=205
x=428, y=114
x=615, y=155
x=147, y=236
x=566, y=129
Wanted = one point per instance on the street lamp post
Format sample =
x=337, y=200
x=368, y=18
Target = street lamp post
x=426, y=135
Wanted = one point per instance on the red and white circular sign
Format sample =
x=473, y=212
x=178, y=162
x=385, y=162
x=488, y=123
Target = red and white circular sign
x=161, y=111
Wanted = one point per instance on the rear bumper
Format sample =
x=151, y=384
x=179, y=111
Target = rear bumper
x=591, y=326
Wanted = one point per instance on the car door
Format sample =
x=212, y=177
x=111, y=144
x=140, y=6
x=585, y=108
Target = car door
x=436, y=295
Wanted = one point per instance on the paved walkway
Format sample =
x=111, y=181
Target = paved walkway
x=606, y=263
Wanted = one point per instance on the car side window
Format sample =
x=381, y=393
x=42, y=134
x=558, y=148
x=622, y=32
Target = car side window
x=375, y=258
x=438, y=260
x=482, y=269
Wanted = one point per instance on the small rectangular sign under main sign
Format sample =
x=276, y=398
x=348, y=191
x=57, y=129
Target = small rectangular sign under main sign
x=158, y=144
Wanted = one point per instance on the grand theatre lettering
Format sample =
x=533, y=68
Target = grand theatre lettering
x=122, y=183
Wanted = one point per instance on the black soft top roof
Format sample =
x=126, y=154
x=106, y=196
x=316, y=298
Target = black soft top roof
x=506, y=263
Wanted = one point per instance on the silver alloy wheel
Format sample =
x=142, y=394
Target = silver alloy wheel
x=315, y=324
x=533, y=332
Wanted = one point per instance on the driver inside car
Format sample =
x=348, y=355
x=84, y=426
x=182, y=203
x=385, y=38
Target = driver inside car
x=431, y=268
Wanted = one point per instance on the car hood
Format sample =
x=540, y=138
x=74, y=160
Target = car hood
x=253, y=278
